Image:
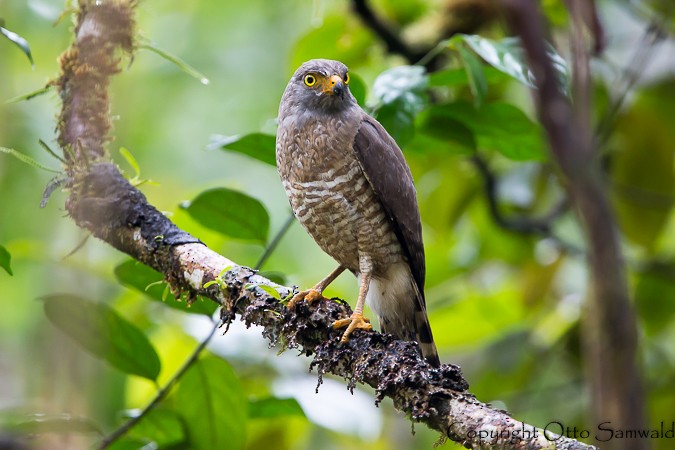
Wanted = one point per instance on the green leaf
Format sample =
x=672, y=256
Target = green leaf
x=231, y=213
x=398, y=121
x=449, y=77
x=211, y=400
x=5, y=260
x=144, y=279
x=643, y=167
x=476, y=77
x=127, y=443
x=105, y=334
x=358, y=88
x=458, y=77
x=399, y=95
x=655, y=296
x=449, y=134
x=162, y=426
x=20, y=42
x=256, y=145
x=182, y=65
x=507, y=56
x=129, y=158
x=27, y=159
x=499, y=127
x=407, y=83
x=270, y=290
x=272, y=407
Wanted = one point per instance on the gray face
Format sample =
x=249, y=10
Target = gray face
x=321, y=85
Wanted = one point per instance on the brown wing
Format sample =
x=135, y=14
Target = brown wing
x=388, y=173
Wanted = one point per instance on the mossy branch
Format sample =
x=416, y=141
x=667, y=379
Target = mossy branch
x=103, y=31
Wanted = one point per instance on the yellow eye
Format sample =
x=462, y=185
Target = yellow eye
x=347, y=78
x=310, y=80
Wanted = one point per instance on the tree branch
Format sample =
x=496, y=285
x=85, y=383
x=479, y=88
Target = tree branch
x=524, y=225
x=104, y=203
x=610, y=330
x=436, y=397
x=392, y=40
x=389, y=37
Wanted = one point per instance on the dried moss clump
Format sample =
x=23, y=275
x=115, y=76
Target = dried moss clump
x=104, y=33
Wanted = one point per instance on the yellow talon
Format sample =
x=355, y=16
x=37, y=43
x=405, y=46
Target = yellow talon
x=310, y=296
x=355, y=321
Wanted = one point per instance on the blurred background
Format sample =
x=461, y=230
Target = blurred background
x=503, y=304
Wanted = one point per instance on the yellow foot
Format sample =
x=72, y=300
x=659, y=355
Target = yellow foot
x=356, y=321
x=310, y=295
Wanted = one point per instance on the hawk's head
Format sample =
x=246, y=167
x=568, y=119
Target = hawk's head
x=320, y=85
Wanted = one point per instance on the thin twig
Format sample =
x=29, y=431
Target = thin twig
x=275, y=242
x=78, y=247
x=630, y=75
x=541, y=226
x=385, y=32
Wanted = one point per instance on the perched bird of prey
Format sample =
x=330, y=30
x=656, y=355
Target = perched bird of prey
x=351, y=189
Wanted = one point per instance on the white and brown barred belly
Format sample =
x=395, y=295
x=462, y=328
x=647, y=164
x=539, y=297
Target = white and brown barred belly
x=332, y=199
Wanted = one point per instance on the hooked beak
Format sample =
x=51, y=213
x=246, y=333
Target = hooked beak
x=334, y=86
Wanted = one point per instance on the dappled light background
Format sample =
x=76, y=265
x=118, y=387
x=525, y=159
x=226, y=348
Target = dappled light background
x=503, y=305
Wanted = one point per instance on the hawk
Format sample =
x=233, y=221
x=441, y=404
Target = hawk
x=351, y=189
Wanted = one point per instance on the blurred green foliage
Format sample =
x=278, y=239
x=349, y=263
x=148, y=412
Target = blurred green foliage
x=101, y=331
x=503, y=305
x=231, y=213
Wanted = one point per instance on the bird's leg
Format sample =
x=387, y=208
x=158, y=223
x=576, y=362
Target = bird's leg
x=315, y=293
x=356, y=320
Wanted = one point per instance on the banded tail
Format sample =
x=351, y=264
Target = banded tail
x=423, y=334
x=400, y=308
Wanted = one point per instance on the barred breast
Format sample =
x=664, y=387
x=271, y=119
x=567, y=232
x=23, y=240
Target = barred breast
x=332, y=198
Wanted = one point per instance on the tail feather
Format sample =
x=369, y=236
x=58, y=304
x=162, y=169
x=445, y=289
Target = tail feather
x=425, y=339
x=400, y=308
x=423, y=334
x=420, y=332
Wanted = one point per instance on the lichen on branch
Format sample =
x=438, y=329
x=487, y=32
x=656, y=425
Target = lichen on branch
x=103, y=33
